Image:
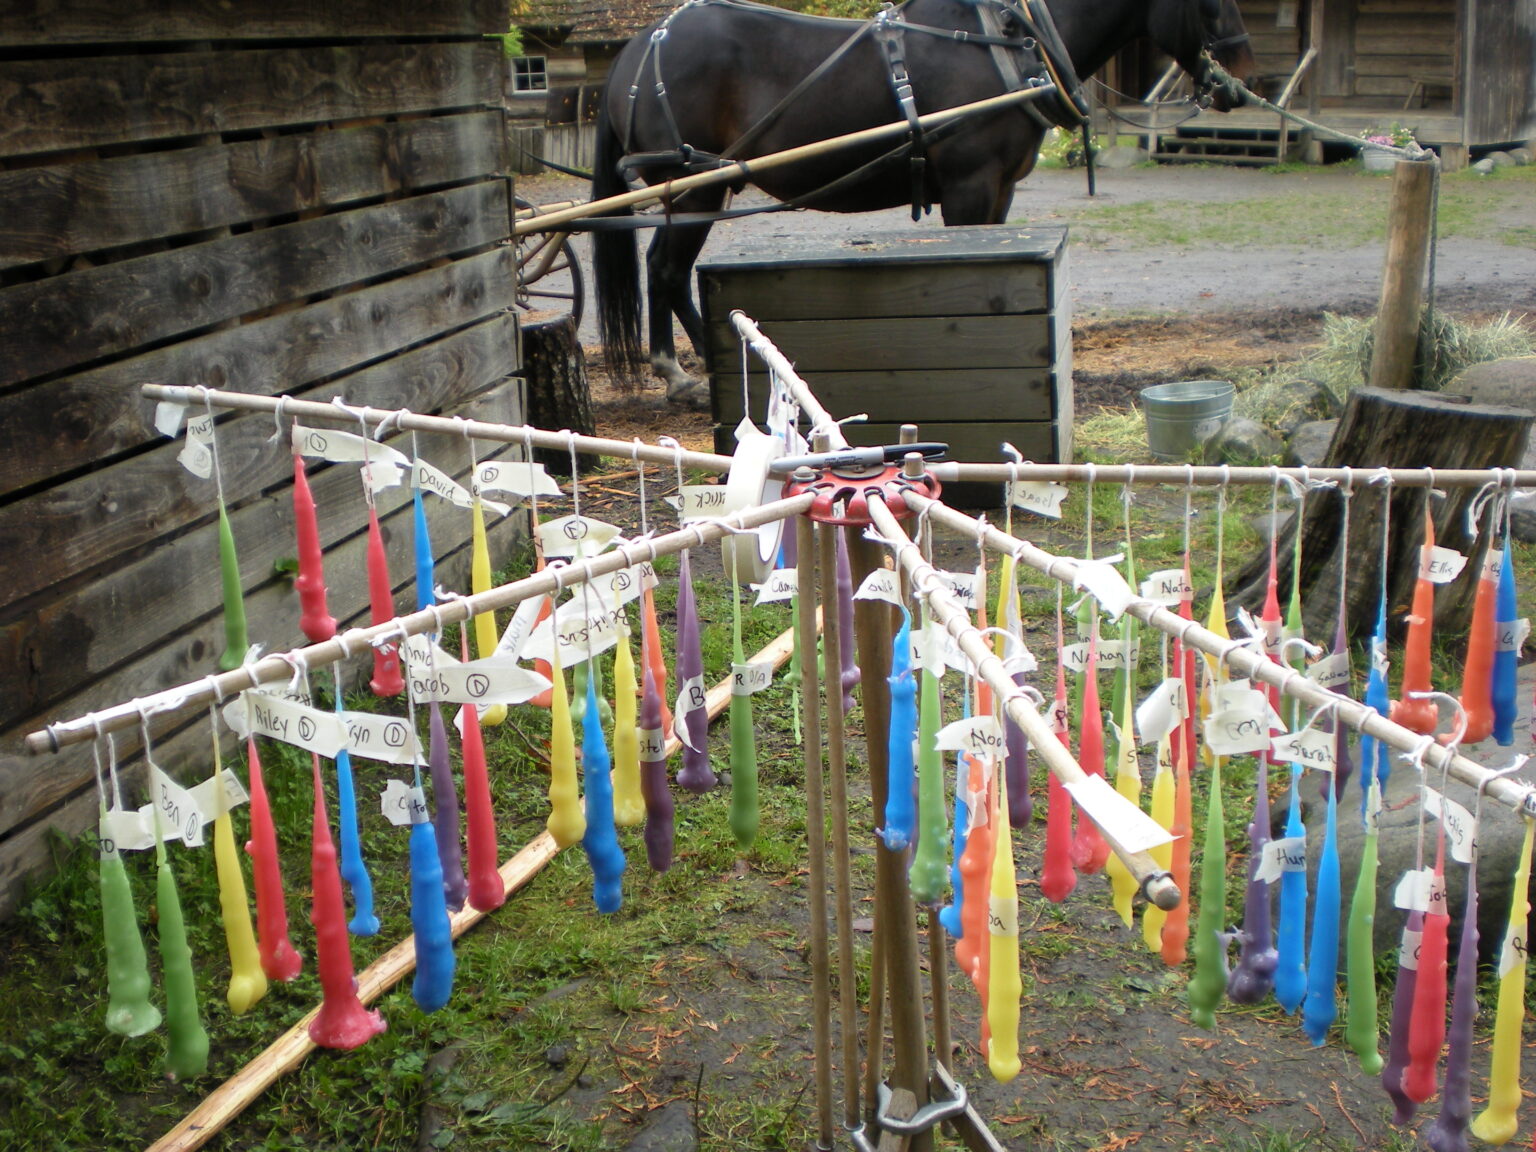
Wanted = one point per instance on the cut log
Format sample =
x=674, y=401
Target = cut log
x=558, y=393
x=1401, y=430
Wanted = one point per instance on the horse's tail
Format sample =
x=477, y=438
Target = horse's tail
x=615, y=264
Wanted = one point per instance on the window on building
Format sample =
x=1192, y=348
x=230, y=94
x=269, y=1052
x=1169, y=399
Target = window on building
x=529, y=74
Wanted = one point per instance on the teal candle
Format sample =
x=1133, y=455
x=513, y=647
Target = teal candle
x=1320, y=1008
x=900, y=811
x=129, y=1012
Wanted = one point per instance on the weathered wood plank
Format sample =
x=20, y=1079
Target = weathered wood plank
x=28, y=23
x=59, y=210
x=97, y=415
x=193, y=646
x=918, y=397
x=53, y=325
x=179, y=579
x=54, y=105
x=904, y=343
x=793, y=293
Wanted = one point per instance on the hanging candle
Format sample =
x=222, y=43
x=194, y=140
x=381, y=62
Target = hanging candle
x=387, y=680
x=487, y=889
x=1153, y=918
x=315, y=619
x=744, y=816
x=1089, y=851
x=1482, y=638
x=1403, y=996
x=972, y=951
x=1375, y=755
x=187, y=1053
x=1426, y=1028
x=900, y=816
x=1210, y=977
x=1361, y=1028
x=129, y=1011
x=652, y=654
x=1449, y=1131
x=445, y=809
x=1320, y=1008
x=601, y=839
x=1021, y=805
x=929, y=860
x=279, y=960
x=696, y=774
x=421, y=540
x=1057, y=875
x=247, y=982
x=628, y=797
x=342, y=1021
x=235, y=638
x=950, y=915
x=1176, y=924
x=566, y=822
x=484, y=623
x=1128, y=784
x=653, y=775
x=1412, y=710
x=1290, y=940
x=1005, y=985
x=353, y=870
x=433, y=983
x=843, y=585
x=1498, y=1122
x=1506, y=654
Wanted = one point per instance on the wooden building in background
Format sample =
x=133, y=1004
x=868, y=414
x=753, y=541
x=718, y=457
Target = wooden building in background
x=1460, y=74
x=278, y=197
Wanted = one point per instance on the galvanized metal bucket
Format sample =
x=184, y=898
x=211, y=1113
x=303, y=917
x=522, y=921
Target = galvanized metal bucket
x=1184, y=414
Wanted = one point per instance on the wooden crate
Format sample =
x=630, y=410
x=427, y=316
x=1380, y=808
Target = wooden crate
x=965, y=332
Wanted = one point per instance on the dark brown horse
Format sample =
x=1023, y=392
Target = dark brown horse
x=725, y=78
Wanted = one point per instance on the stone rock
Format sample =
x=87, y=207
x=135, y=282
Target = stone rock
x=1293, y=403
x=1483, y=167
x=1510, y=382
x=1308, y=445
x=669, y=1129
x=1500, y=159
x=1121, y=156
x=1522, y=516
x=1522, y=156
x=1241, y=440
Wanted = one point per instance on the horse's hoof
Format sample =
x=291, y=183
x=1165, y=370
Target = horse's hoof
x=692, y=394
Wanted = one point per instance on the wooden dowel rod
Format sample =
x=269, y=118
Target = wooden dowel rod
x=949, y=471
x=278, y=667
x=780, y=366
x=1254, y=665
x=1155, y=881
x=408, y=421
x=744, y=170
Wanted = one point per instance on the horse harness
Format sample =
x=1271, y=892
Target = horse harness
x=1034, y=58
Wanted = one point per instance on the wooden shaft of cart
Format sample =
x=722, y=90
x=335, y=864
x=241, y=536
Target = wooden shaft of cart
x=744, y=170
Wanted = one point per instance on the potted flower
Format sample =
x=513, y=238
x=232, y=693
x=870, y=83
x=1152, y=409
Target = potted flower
x=1374, y=157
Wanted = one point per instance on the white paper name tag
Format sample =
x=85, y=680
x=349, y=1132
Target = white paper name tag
x=430, y=479
x=213, y=801
x=1332, y=671
x=1167, y=587
x=569, y=536
x=403, y=804
x=1281, y=856
x=1460, y=826
x=1042, y=497
x=1310, y=748
x=1413, y=890
x=881, y=584
x=516, y=477
x=1440, y=565
x=1510, y=635
x=168, y=417
x=1239, y=724
x=196, y=454
x=1111, y=654
x=519, y=628
x=126, y=830
x=652, y=744
x=286, y=720
x=978, y=735
x=1116, y=816
x=480, y=682
x=581, y=634
x=1102, y=580
x=420, y=650
x=1408, y=951
x=1162, y=710
x=691, y=697
x=385, y=738
x=749, y=679
x=176, y=809
x=627, y=584
x=1003, y=915
x=702, y=501
x=963, y=587
x=1512, y=955
x=385, y=464
x=782, y=584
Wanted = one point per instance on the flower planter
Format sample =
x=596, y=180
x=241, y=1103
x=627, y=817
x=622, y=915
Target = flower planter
x=1377, y=159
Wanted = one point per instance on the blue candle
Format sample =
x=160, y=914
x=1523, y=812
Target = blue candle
x=900, y=816
x=601, y=841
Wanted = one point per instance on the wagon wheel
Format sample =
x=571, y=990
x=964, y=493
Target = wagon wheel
x=548, y=273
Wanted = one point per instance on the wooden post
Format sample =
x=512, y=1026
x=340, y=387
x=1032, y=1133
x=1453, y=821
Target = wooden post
x=1402, y=280
x=558, y=394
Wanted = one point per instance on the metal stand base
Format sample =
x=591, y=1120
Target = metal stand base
x=949, y=1104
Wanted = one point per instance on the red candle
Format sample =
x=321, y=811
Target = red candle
x=972, y=950
x=1057, y=876
x=1089, y=851
x=653, y=656
x=342, y=1021
x=315, y=620
x=487, y=890
x=1420, y=715
x=279, y=959
x=387, y=680
x=1426, y=1027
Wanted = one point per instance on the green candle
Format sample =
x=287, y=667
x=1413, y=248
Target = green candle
x=1210, y=978
x=930, y=862
x=187, y=1055
x=235, y=639
x=1360, y=1025
x=129, y=1012
x=743, y=739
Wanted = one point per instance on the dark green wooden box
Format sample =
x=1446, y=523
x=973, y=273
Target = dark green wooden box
x=965, y=332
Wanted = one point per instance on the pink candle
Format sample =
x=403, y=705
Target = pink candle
x=315, y=620
x=387, y=680
x=487, y=890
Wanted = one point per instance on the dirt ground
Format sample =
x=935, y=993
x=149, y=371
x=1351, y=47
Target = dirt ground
x=1111, y=1060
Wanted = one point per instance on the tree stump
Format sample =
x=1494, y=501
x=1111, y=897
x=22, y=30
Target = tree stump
x=1382, y=427
x=558, y=393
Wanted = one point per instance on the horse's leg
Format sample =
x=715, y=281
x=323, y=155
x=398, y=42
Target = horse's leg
x=669, y=266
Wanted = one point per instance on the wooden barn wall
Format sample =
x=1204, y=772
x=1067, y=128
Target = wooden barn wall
x=1276, y=50
x=1500, y=101
x=284, y=197
x=1398, y=41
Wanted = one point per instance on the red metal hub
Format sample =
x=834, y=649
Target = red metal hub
x=854, y=488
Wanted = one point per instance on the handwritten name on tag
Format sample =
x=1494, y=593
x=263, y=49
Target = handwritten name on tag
x=1310, y=748
x=881, y=584
x=963, y=587
x=1440, y=565
x=1460, y=825
x=177, y=811
x=1042, y=497
x=1162, y=710
x=652, y=744
x=978, y=735
x=750, y=679
x=569, y=536
x=1170, y=586
x=403, y=804
x=1281, y=856
x=691, y=697
x=1510, y=635
x=196, y=454
x=1332, y=671
x=582, y=629
x=286, y=720
x=385, y=738
x=782, y=584
x=439, y=483
x=516, y=477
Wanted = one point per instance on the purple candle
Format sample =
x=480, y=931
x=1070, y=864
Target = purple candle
x=696, y=774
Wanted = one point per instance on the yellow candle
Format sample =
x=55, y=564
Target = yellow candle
x=247, y=982
x=1004, y=984
x=628, y=800
x=1153, y=917
x=485, y=622
x=567, y=822
x=1497, y=1122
